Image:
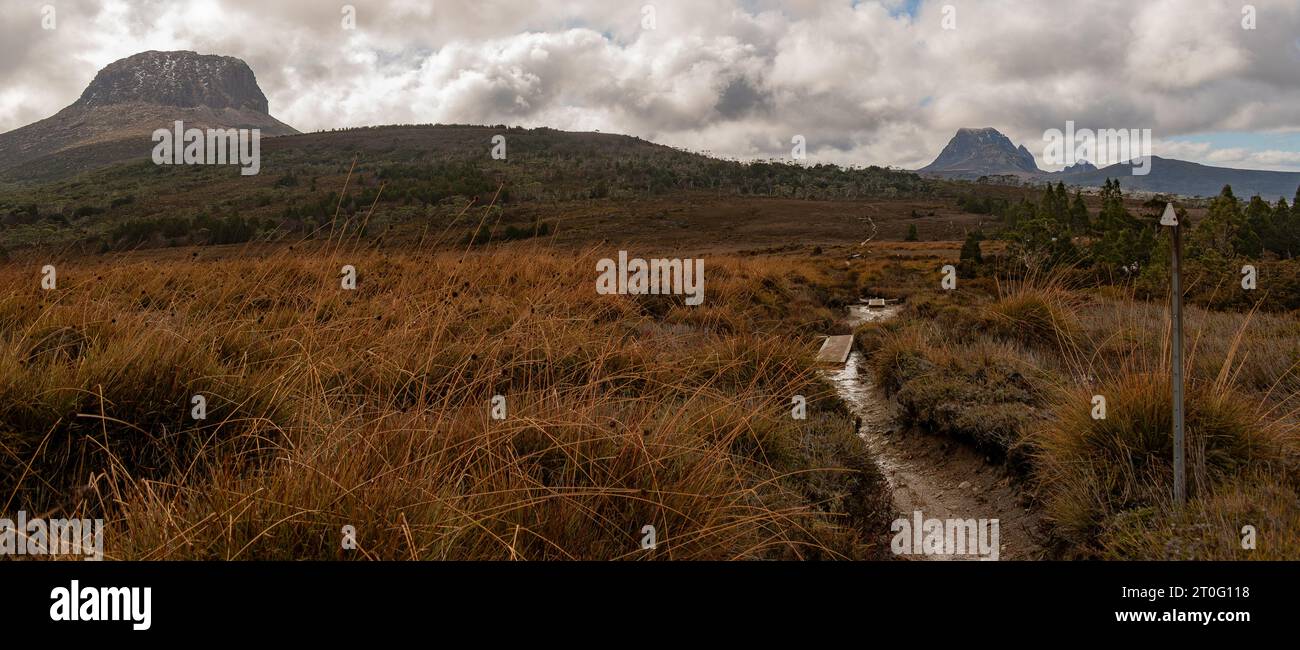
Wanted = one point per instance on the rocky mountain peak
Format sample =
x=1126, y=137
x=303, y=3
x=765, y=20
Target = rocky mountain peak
x=1081, y=166
x=182, y=79
x=983, y=151
x=128, y=100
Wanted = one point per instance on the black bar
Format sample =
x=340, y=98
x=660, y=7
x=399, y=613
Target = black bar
x=214, y=601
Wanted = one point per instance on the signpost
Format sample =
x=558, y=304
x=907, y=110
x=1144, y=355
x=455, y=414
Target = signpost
x=1170, y=218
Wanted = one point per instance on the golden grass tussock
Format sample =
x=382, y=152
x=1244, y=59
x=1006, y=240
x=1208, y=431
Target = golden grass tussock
x=372, y=408
x=1018, y=371
x=1100, y=473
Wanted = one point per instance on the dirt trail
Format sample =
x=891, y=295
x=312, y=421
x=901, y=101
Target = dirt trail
x=941, y=477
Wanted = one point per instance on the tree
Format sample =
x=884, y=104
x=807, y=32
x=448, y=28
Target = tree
x=1122, y=242
x=1153, y=279
x=1286, y=230
x=971, y=256
x=1259, y=220
x=1079, y=221
x=1112, y=206
x=1062, y=206
x=1047, y=205
x=1023, y=211
x=1224, y=233
x=911, y=232
x=1055, y=205
x=1040, y=242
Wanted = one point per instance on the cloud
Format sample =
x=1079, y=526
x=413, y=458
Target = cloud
x=865, y=83
x=1237, y=157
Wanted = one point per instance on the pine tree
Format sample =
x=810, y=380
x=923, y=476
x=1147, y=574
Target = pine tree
x=1286, y=228
x=970, y=250
x=1047, y=206
x=1020, y=212
x=1223, y=234
x=1153, y=280
x=1112, y=214
x=1079, y=221
x=911, y=233
x=1259, y=222
x=1055, y=205
x=1122, y=242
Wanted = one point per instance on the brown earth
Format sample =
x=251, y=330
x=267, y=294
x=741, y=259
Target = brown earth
x=940, y=477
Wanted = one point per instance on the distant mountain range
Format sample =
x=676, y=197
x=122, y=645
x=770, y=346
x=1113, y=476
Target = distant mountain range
x=973, y=153
x=130, y=98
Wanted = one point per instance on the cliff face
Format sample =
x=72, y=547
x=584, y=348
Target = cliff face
x=183, y=79
x=980, y=152
x=113, y=119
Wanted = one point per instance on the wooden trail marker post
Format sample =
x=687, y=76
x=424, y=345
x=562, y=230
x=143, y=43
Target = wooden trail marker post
x=1170, y=218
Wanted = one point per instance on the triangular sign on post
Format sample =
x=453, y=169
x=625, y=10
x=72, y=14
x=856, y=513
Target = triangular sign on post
x=1169, y=218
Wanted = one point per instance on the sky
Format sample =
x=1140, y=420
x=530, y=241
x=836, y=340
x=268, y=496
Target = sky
x=883, y=82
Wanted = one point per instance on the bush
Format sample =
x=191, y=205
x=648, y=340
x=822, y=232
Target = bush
x=1041, y=316
x=1098, y=474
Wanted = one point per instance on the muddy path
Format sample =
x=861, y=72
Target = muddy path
x=939, y=476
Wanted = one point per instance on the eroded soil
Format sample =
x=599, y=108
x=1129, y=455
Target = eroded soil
x=941, y=477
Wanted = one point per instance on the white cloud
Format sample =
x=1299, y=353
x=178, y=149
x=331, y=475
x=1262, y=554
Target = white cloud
x=863, y=82
x=1237, y=157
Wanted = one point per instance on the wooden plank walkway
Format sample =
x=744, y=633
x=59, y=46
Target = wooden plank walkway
x=835, y=349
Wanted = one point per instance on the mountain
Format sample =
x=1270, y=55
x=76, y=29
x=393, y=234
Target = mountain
x=982, y=152
x=1079, y=168
x=973, y=153
x=115, y=116
x=1170, y=176
x=421, y=179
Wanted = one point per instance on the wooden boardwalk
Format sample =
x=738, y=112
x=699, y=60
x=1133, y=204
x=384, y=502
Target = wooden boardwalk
x=835, y=349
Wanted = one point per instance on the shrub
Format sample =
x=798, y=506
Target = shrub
x=1099, y=473
x=1037, y=315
